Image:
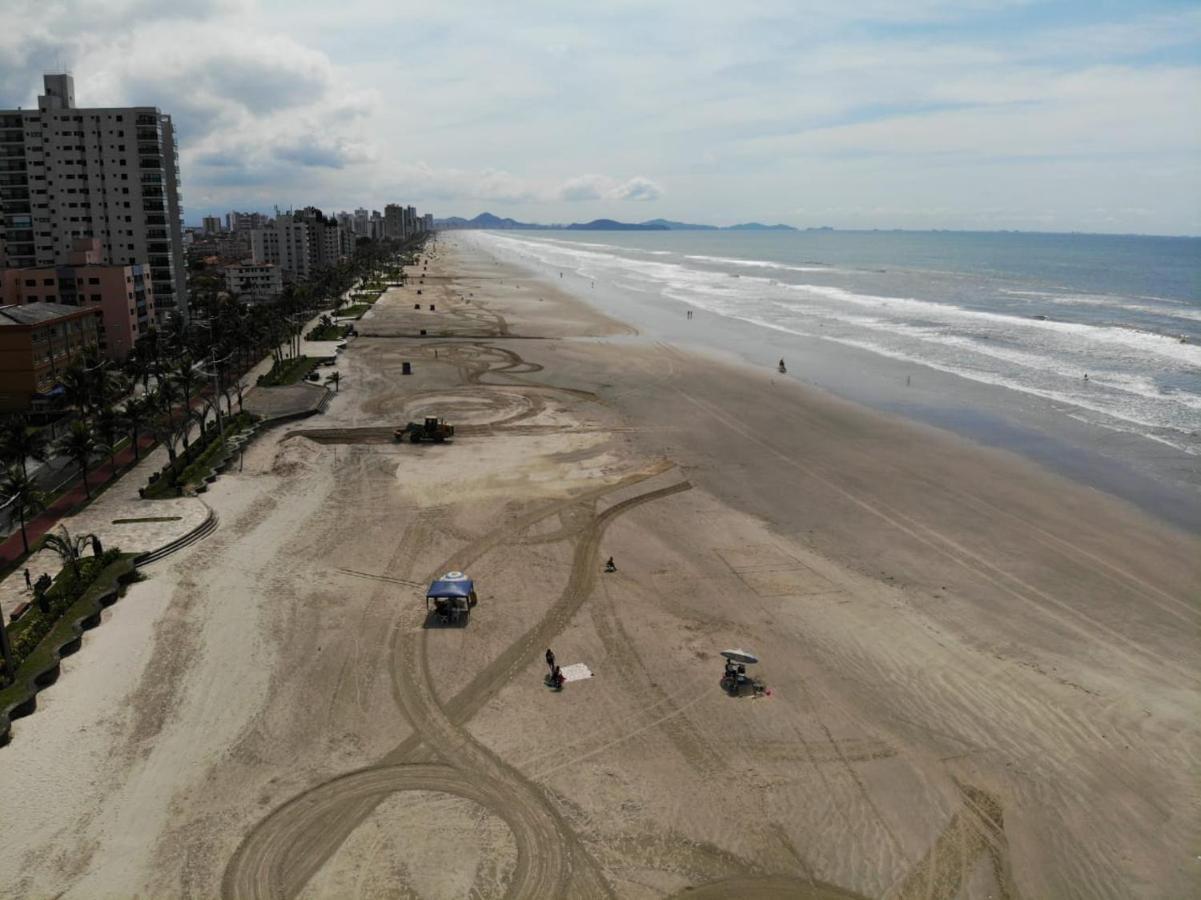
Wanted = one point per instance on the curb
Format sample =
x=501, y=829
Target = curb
x=204, y=529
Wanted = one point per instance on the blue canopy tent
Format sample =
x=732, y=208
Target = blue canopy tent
x=453, y=595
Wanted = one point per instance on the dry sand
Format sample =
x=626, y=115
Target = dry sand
x=984, y=678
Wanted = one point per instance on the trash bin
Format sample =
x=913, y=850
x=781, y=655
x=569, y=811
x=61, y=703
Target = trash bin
x=432, y=307
x=406, y=368
x=423, y=332
x=416, y=306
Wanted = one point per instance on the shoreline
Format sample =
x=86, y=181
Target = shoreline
x=1160, y=480
x=979, y=669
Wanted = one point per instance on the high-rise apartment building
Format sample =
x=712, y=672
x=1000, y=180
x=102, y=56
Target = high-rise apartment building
x=111, y=174
x=394, y=221
x=362, y=222
x=301, y=243
x=241, y=221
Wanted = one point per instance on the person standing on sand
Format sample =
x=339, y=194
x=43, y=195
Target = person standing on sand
x=550, y=660
x=28, y=581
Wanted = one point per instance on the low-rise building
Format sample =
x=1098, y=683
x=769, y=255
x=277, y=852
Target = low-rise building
x=123, y=294
x=254, y=281
x=38, y=343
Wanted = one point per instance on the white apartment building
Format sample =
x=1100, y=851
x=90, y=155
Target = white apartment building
x=106, y=173
x=252, y=281
x=301, y=243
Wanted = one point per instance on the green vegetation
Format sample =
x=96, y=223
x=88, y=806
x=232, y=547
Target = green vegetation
x=289, y=371
x=354, y=312
x=366, y=296
x=327, y=333
x=193, y=464
x=41, y=631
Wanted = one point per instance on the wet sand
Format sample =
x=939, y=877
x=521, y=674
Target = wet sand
x=983, y=676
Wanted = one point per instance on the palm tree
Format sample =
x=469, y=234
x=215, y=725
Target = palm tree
x=109, y=425
x=24, y=495
x=77, y=387
x=136, y=414
x=168, y=395
x=80, y=444
x=69, y=547
x=20, y=443
x=335, y=379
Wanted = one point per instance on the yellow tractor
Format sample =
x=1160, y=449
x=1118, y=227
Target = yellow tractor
x=432, y=429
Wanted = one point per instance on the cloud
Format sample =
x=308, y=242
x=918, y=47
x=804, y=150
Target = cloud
x=637, y=189
x=321, y=152
x=585, y=188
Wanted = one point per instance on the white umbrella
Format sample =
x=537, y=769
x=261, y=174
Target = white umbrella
x=740, y=656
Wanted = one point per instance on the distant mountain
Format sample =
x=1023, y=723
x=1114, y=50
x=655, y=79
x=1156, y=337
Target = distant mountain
x=487, y=220
x=758, y=226
x=680, y=226
x=611, y=225
x=483, y=220
x=746, y=226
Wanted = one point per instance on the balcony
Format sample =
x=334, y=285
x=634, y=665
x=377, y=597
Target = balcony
x=153, y=205
x=150, y=162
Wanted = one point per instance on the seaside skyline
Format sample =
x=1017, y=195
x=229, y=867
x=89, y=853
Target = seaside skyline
x=1045, y=117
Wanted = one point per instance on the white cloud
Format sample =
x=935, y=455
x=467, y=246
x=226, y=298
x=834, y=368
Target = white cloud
x=586, y=188
x=638, y=188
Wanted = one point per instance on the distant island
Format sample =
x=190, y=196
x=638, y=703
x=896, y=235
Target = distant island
x=489, y=221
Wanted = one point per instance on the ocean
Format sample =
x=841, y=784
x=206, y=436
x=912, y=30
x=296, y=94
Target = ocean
x=1019, y=318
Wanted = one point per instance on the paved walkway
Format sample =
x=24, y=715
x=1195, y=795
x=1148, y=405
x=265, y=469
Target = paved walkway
x=70, y=500
x=131, y=524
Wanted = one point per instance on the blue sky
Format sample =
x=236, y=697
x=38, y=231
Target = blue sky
x=921, y=114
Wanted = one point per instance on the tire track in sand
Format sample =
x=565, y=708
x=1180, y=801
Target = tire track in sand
x=283, y=852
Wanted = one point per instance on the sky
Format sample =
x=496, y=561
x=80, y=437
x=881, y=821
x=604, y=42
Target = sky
x=1081, y=115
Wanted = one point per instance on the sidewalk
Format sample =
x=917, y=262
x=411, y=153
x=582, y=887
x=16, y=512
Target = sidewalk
x=69, y=500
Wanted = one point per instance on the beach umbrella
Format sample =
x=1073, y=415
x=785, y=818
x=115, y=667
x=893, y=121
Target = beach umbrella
x=740, y=656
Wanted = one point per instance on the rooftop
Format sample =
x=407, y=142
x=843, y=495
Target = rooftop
x=37, y=313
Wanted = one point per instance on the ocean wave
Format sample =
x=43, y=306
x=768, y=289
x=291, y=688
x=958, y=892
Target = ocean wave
x=759, y=263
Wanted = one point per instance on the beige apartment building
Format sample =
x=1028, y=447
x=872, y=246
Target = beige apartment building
x=109, y=174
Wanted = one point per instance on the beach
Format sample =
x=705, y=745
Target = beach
x=982, y=674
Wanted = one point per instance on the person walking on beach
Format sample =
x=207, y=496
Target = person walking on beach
x=28, y=581
x=550, y=660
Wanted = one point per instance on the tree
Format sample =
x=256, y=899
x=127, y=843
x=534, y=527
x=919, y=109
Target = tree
x=24, y=495
x=20, y=443
x=109, y=425
x=335, y=379
x=136, y=414
x=69, y=547
x=77, y=387
x=166, y=396
x=80, y=444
